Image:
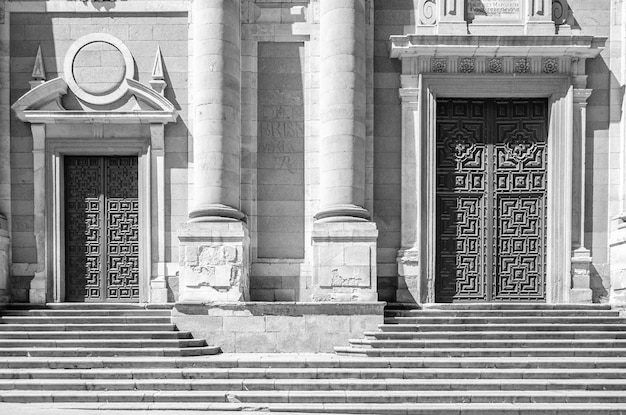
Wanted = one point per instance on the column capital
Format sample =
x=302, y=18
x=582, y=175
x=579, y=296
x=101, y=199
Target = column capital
x=581, y=95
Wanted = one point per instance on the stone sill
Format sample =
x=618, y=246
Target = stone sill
x=282, y=308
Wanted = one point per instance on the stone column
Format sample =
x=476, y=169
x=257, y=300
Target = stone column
x=342, y=110
x=216, y=91
x=344, y=241
x=214, y=245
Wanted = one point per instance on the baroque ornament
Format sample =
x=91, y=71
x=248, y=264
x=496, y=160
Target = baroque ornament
x=467, y=65
x=519, y=144
x=439, y=65
x=550, y=65
x=495, y=65
x=521, y=65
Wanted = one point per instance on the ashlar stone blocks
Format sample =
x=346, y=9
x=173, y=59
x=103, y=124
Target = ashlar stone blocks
x=4, y=260
x=214, y=262
x=344, y=266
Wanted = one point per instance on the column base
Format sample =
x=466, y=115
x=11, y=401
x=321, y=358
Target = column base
x=158, y=290
x=37, y=292
x=581, y=289
x=344, y=261
x=215, y=213
x=214, y=262
x=409, y=284
x=342, y=213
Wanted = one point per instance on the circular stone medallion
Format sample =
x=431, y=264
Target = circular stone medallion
x=96, y=68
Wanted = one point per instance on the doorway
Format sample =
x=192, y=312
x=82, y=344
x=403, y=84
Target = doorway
x=491, y=200
x=101, y=228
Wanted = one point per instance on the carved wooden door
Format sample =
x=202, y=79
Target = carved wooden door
x=101, y=229
x=491, y=184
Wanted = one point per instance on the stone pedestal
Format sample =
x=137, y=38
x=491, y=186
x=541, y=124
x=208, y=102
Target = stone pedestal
x=4, y=260
x=581, y=290
x=214, y=262
x=409, y=282
x=617, y=295
x=344, y=261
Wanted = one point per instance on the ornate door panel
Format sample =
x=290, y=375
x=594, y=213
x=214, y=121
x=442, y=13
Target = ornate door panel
x=101, y=229
x=491, y=200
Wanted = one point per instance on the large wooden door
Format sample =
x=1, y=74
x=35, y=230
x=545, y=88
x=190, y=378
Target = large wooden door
x=101, y=229
x=491, y=199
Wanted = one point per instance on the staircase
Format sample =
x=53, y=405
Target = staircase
x=441, y=359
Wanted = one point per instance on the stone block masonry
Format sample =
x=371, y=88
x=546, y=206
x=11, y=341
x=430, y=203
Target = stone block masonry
x=260, y=327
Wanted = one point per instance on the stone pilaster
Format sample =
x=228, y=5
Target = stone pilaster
x=452, y=17
x=344, y=241
x=4, y=259
x=540, y=18
x=409, y=281
x=214, y=245
x=581, y=260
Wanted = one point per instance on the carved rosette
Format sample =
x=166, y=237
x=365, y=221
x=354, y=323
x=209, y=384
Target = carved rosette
x=550, y=65
x=521, y=65
x=495, y=65
x=439, y=65
x=467, y=65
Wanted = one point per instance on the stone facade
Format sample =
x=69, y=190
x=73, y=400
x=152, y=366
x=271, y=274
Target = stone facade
x=286, y=148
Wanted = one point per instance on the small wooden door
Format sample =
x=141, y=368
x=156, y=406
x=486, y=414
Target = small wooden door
x=101, y=229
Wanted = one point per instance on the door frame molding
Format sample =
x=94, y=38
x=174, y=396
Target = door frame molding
x=420, y=93
x=55, y=199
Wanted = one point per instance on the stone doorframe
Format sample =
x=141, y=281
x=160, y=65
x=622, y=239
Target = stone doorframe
x=456, y=67
x=58, y=132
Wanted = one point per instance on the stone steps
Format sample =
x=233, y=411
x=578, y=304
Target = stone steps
x=504, y=320
x=488, y=343
x=88, y=335
x=298, y=384
x=557, y=360
x=500, y=313
x=362, y=398
x=313, y=373
x=500, y=327
x=494, y=335
x=69, y=327
x=346, y=408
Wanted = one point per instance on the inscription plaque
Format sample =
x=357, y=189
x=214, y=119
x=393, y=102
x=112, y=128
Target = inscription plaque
x=280, y=151
x=494, y=9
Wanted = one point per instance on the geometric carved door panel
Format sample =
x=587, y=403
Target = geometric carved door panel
x=491, y=186
x=101, y=229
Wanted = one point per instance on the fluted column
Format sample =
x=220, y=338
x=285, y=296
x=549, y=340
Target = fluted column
x=342, y=110
x=216, y=103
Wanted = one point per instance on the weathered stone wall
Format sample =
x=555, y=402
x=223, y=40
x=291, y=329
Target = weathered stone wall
x=55, y=32
x=278, y=327
x=594, y=19
x=390, y=16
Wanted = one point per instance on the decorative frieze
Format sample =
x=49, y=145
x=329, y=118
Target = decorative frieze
x=504, y=65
